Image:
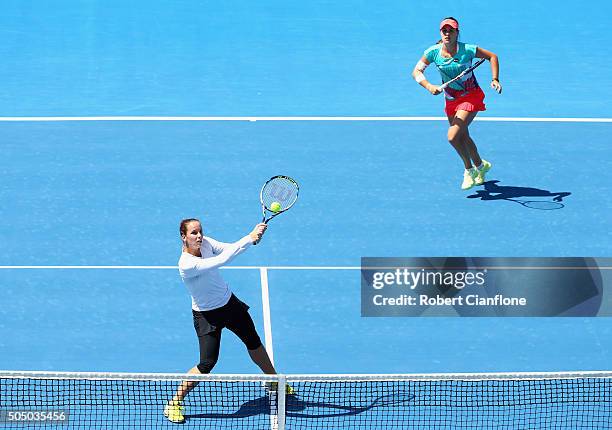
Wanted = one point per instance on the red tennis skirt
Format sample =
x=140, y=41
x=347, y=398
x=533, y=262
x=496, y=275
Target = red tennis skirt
x=471, y=102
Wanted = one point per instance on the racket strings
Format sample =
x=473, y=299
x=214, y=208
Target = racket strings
x=280, y=190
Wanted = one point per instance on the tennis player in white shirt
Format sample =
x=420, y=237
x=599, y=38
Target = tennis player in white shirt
x=214, y=306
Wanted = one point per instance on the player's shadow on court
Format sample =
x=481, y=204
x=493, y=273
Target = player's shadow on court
x=532, y=198
x=300, y=408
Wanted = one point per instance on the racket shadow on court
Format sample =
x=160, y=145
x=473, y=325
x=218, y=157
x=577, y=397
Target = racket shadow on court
x=308, y=409
x=532, y=198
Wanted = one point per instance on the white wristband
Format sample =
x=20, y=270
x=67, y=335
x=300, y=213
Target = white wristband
x=420, y=66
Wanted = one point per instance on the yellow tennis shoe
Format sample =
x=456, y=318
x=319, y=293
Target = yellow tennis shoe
x=480, y=172
x=174, y=412
x=273, y=386
x=469, y=177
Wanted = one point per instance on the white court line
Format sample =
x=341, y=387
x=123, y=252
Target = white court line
x=265, y=299
x=89, y=267
x=168, y=267
x=288, y=118
x=260, y=268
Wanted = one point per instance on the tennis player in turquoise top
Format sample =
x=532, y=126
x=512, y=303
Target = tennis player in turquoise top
x=463, y=98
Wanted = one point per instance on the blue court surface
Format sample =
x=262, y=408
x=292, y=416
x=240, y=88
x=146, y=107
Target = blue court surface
x=111, y=192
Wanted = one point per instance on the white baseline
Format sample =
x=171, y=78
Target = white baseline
x=286, y=118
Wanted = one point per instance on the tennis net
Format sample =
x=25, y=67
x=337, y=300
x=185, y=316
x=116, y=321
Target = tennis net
x=430, y=401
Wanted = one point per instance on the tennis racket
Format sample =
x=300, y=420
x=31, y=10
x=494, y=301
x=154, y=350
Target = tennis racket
x=462, y=74
x=277, y=195
x=280, y=191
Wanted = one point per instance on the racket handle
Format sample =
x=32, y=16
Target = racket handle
x=255, y=243
x=265, y=221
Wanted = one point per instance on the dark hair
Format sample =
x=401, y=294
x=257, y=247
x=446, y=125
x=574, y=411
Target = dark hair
x=183, y=227
x=454, y=19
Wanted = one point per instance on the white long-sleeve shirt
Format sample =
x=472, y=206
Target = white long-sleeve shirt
x=201, y=274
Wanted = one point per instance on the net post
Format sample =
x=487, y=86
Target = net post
x=267, y=320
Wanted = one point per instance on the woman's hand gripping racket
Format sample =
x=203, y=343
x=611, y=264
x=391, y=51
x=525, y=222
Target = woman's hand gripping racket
x=277, y=195
x=460, y=75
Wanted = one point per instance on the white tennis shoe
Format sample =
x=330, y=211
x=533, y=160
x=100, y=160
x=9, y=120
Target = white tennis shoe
x=469, y=178
x=480, y=174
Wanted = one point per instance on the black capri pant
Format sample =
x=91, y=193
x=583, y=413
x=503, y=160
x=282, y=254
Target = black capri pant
x=209, y=325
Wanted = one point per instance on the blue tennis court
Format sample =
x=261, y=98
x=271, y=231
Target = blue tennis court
x=97, y=172
x=366, y=202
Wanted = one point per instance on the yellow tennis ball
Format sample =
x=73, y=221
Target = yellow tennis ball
x=275, y=207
